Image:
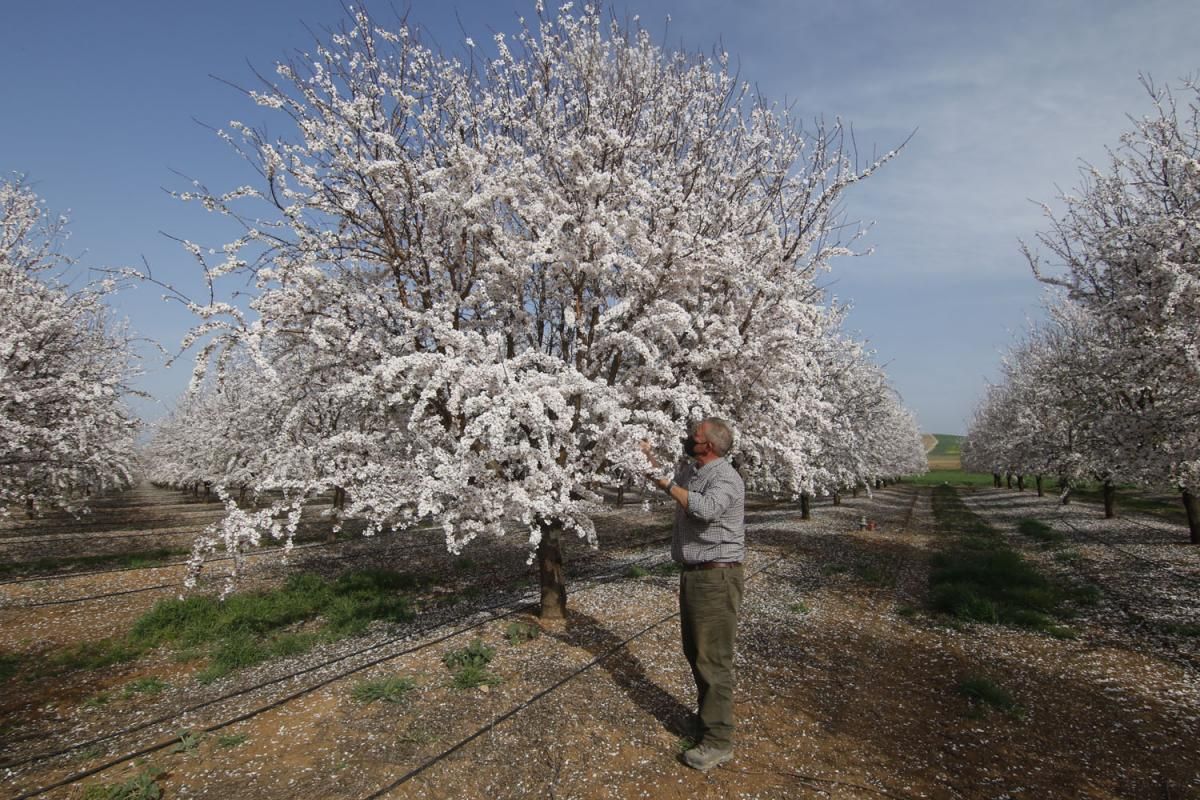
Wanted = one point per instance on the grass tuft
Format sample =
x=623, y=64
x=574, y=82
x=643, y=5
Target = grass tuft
x=148, y=686
x=469, y=665
x=984, y=693
x=142, y=786
x=518, y=632
x=1036, y=529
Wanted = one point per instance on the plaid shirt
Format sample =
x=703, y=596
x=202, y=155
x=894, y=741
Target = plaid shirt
x=713, y=528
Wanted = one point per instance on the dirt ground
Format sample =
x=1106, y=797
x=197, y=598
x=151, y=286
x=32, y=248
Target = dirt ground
x=846, y=688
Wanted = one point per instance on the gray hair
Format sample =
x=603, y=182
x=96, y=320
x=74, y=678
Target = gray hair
x=720, y=435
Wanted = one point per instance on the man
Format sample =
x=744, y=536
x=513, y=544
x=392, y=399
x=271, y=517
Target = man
x=709, y=544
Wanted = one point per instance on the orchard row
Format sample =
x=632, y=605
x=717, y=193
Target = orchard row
x=1106, y=389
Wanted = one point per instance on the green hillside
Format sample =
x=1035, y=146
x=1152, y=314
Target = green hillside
x=947, y=445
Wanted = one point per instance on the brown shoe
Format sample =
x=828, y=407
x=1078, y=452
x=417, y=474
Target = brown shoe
x=706, y=756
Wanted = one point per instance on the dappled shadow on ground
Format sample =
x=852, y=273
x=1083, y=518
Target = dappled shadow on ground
x=627, y=671
x=870, y=699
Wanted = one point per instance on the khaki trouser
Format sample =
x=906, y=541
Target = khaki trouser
x=709, y=600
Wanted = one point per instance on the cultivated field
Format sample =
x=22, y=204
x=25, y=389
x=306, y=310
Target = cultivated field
x=943, y=451
x=384, y=667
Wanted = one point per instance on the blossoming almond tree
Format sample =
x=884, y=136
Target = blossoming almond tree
x=1127, y=249
x=64, y=367
x=1047, y=416
x=504, y=274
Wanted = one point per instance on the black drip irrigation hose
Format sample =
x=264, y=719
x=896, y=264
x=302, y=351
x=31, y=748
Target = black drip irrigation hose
x=73, y=778
x=512, y=712
x=1187, y=581
x=100, y=536
x=69, y=600
x=1124, y=605
x=1154, y=562
x=511, y=610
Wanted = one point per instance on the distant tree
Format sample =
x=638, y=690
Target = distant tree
x=1048, y=415
x=64, y=368
x=504, y=274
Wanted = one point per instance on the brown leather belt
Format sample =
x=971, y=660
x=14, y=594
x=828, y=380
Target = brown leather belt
x=711, y=565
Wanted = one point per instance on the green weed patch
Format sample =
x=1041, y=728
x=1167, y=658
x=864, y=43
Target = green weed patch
x=145, y=686
x=10, y=663
x=94, y=655
x=469, y=665
x=979, y=578
x=985, y=693
x=142, y=786
x=952, y=477
x=1036, y=529
x=874, y=575
x=249, y=628
x=518, y=632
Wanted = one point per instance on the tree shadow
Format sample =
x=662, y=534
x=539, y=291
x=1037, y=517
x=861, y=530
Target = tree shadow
x=627, y=672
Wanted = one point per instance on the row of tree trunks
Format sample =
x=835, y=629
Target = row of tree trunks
x=550, y=552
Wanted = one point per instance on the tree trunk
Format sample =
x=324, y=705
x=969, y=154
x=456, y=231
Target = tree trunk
x=837, y=498
x=995, y=480
x=1008, y=479
x=854, y=491
x=1065, y=486
x=550, y=573
x=1020, y=483
x=1110, y=500
x=1192, y=507
x=621, y=494
x=805, y=505
x=1038, y=480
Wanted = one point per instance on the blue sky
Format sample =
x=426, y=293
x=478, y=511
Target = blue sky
x=105, y=106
